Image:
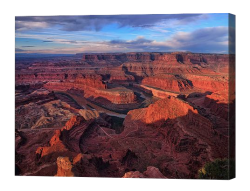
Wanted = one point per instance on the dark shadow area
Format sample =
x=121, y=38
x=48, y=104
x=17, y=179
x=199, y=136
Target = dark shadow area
x=182, y=97
x=198, y=94
x=26, y=87
x=17, y=170
x=138, y=79
x=20, y=139
x=217, y=108
x=68, y=99
x=130, y=161
x=99, y=163
x=116, y=123
x=105, y=77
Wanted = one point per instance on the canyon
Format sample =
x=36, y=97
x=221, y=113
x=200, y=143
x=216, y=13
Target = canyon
x=131, y=115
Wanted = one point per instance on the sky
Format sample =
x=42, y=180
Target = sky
x=201, y=33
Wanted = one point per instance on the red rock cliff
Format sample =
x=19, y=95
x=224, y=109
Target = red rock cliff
x=168, y=82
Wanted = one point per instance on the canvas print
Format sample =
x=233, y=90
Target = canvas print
x=132, y=96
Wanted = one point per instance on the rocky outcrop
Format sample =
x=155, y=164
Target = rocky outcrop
x=48, y=115
x=115, y=95
x=151, y=172
x=89, y=114
x=157, y=112
x=64, y=167
x=218, y=103
x=67, y=138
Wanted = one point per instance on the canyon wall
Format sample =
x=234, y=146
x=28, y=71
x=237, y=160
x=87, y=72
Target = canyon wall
x=116, y=95
x=218, y=103
x=209, y=83
x=169, y=82
x=171, y=58
x=78, y=83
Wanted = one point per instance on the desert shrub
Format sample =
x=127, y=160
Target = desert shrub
x=218, y=169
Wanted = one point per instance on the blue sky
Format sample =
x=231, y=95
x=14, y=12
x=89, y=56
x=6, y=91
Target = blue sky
x=204, y=33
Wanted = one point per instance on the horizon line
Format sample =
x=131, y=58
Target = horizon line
x=185, y=52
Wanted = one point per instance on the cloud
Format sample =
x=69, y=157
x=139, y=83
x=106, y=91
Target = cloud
x=70, y=41
x=206, y=40
x=97, y=22
x=139, y=40
x=210, y=39
x=44, y=38
x=30, y=25
x=140, y=43
x=27, y=46
x=19, y=50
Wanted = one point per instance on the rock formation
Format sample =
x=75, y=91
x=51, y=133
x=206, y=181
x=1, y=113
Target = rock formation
x=35, y=115
x=95, y=89
x=170, y=58
x=115, y=95
x=36, y=95
x=89, y=114
x=168, y=82
x=64, y=167
x=151, y=172
x=209, y=83
x=218, y=103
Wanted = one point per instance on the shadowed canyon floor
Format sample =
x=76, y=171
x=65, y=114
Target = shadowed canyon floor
x=141, y=115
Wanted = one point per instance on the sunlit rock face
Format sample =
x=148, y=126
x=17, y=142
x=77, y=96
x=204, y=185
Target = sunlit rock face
x=117, y=95
x=168, y=82
x=64, y=167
